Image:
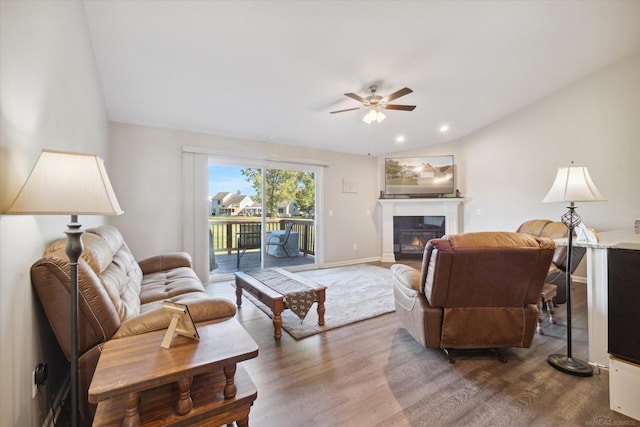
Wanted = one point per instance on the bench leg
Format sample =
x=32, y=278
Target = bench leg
x=238, y=294
x=321, y=298
x=278, y=307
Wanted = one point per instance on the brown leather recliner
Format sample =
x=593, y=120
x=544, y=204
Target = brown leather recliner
x=475, y=290
x=557, y=274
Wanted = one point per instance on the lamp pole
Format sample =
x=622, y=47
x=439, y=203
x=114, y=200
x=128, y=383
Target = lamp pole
x=73, y=250
x=567, y=363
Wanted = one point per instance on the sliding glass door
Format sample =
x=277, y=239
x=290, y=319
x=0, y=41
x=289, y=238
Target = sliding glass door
x=260, y=216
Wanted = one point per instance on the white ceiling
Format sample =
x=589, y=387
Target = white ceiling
x=273, y=70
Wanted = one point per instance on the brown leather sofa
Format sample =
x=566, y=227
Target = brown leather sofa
x=557, y=274
x=475, y=290
x=117, y=296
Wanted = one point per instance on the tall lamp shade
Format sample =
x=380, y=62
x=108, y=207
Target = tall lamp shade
x=572, y=184
x=66, y=183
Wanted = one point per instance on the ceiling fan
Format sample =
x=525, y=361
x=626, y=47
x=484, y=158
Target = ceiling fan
x=374, y=103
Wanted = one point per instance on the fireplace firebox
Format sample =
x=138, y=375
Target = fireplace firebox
x=449, y=208
x=411, y=234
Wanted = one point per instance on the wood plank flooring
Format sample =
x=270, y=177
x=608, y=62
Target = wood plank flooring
x=373, y=373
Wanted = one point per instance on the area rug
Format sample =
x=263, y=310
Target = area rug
x=354, y=293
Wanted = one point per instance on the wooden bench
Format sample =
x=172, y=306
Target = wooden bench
x=275, y=300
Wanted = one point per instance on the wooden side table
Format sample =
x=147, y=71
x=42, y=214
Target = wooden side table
x=137, y=382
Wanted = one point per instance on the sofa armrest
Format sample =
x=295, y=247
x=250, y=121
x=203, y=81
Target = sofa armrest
x=165, y=262
x=202, y=309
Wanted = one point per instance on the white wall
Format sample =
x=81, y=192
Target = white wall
x=147, y=173
x=49, y=98
x=505, y=170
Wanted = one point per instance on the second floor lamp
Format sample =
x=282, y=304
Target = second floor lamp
x=572, y=184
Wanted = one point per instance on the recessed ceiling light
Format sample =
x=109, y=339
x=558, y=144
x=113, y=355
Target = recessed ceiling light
x=444, y=128
x=400, y=139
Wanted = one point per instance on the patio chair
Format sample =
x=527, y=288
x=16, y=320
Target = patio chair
x=281, y=239
x=248, y=237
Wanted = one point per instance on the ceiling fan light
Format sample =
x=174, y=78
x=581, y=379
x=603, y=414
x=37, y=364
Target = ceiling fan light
x=380, y=117
x=370, y=117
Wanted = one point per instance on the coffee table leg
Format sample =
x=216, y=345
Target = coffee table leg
x=184, y=397
x=321, y=298
x=238, y=294
x=131, y=412
x=230, y=388
x=278, y=307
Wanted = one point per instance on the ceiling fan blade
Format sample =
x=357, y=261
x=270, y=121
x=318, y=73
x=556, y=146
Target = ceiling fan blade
x=342, y=111
x=354, y=96
x=395, y=95
x=399, y=107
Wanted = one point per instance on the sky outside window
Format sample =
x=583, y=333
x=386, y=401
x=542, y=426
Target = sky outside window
x=228, y=179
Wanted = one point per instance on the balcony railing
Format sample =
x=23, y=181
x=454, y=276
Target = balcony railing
x=223, y=232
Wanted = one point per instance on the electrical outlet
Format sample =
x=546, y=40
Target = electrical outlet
x=38, y=378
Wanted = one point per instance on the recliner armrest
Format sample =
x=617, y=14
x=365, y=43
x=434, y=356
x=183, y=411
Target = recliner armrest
x=406, y=277
x=165, y=262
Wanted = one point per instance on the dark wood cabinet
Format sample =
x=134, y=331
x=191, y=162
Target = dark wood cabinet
x=624, y=301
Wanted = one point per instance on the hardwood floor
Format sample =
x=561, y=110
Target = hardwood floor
x=373, y=373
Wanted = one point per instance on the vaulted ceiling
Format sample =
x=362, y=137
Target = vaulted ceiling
x=273, y=70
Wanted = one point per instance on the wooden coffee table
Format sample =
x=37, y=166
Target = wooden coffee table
x=275, y=300
x=137, y=382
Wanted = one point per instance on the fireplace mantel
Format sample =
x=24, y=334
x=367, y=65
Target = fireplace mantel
x=450, y=208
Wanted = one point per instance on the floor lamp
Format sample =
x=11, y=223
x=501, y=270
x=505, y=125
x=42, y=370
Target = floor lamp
x=572, y=184
x=63, y=183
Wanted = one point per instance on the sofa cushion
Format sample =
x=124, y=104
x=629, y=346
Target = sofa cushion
x=96, y=252
x=122, y=290
x=165, y=262
x=163, y=285
x=106, y=253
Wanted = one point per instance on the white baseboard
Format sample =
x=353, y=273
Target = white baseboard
x=349, y=262
x=579, y=279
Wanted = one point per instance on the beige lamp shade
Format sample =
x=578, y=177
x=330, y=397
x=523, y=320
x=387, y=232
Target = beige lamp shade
x=64, y=183
x=573, y=184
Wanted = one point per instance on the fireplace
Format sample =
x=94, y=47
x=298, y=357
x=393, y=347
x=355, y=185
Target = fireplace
x=411, y=234
x=449, y=208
